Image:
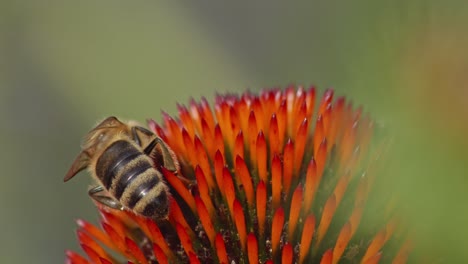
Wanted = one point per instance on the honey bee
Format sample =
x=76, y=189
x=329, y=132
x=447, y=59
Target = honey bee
x=125, y=159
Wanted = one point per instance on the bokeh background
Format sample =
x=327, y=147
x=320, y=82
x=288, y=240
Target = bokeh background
x=64, y=65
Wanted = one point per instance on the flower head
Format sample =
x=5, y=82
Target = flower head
x=279, y=177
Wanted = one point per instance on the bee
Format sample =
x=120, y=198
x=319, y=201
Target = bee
x=125, y=159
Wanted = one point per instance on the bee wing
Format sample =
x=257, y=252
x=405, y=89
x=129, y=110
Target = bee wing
x=80, y=163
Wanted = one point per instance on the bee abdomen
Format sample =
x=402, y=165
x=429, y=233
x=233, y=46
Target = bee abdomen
x=114, y=159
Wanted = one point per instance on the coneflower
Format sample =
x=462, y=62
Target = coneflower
x=279, y=177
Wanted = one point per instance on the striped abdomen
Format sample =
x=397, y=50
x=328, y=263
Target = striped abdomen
x=128, y=174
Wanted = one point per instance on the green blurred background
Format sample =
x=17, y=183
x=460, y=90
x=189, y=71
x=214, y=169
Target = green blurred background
x=65, y=65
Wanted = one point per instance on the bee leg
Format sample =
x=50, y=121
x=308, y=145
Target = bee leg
x=166, y=155
x=142, y=130
x=102, y=199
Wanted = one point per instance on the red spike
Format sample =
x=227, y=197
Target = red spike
x=184, y=239
x=276, y=184
x=74, y=258
x=218, y=168
x=218, y=138
x=252, y=132
x=252, y=248
x=204, y=162
x=221, y=249
x=193, y=258
x=204, y=191
x=93, y=255
x=262, y=157
x=288, y=166
x=327, y=215
x=277, y=229
x=208, y=133
x=341, y=242
x=239, y=146
x=295, y=210
x=159, y=254
x=287, y=254
x=261, y=206
x=327, y=257
x=176, y=217
x=243, y=173
x=179, y=187
x=118, y=241
x=135, y=251
x=240, y=223
x=157, y=238
x=306, y=238
x=205, y=220
x=229, y=190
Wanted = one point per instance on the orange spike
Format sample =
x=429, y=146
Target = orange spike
x=374, y=247
x=207, y=113
x=218, y=168
x=306, y=238
x=207, y=133
x=218, y=139
x=159, y=254
x=74, y=258
x=326, y=100
x=204, y=162
x=184, y=239
x=252, y=132
x=174, y=133
x=158, y=240
x=258, y=110
x=300, y=144
x=113, y=220
x=355, y=218
x=282, y=122
x=402, y=255
x=195, y=113
x=319, y=135
x=240, y=223
x=295, y=210
x=299, y=118
x=229, y=190
x=261, y=157
x=235, y=125
x=94, y=257
x=287, y=254
x=341, y=242
x=310, y=101
x=243, y=112
x=321, y=158
x=189, y=153
x=341, y=187
x=326, y=117
x=95, y=232
x=204, y=191
x=288, y=166
x=187, y=121
x=116, y=239
x=85, y=239
x=374, y=259
x=205, y=220
x=252, y=248
x=276, y=184
x=273, y=136
x=222, y=115
x=277, y=229
x=179, y=187
x=243, y=172
x=327, y=257
x=221, y=249
x=133, y=248
x=310, y=186
x=239, y=146
x=261, y=206
x=193, y=259
x=327, y=215
x=177, y=217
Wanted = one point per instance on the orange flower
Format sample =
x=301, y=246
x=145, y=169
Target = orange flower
x=273, y=178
